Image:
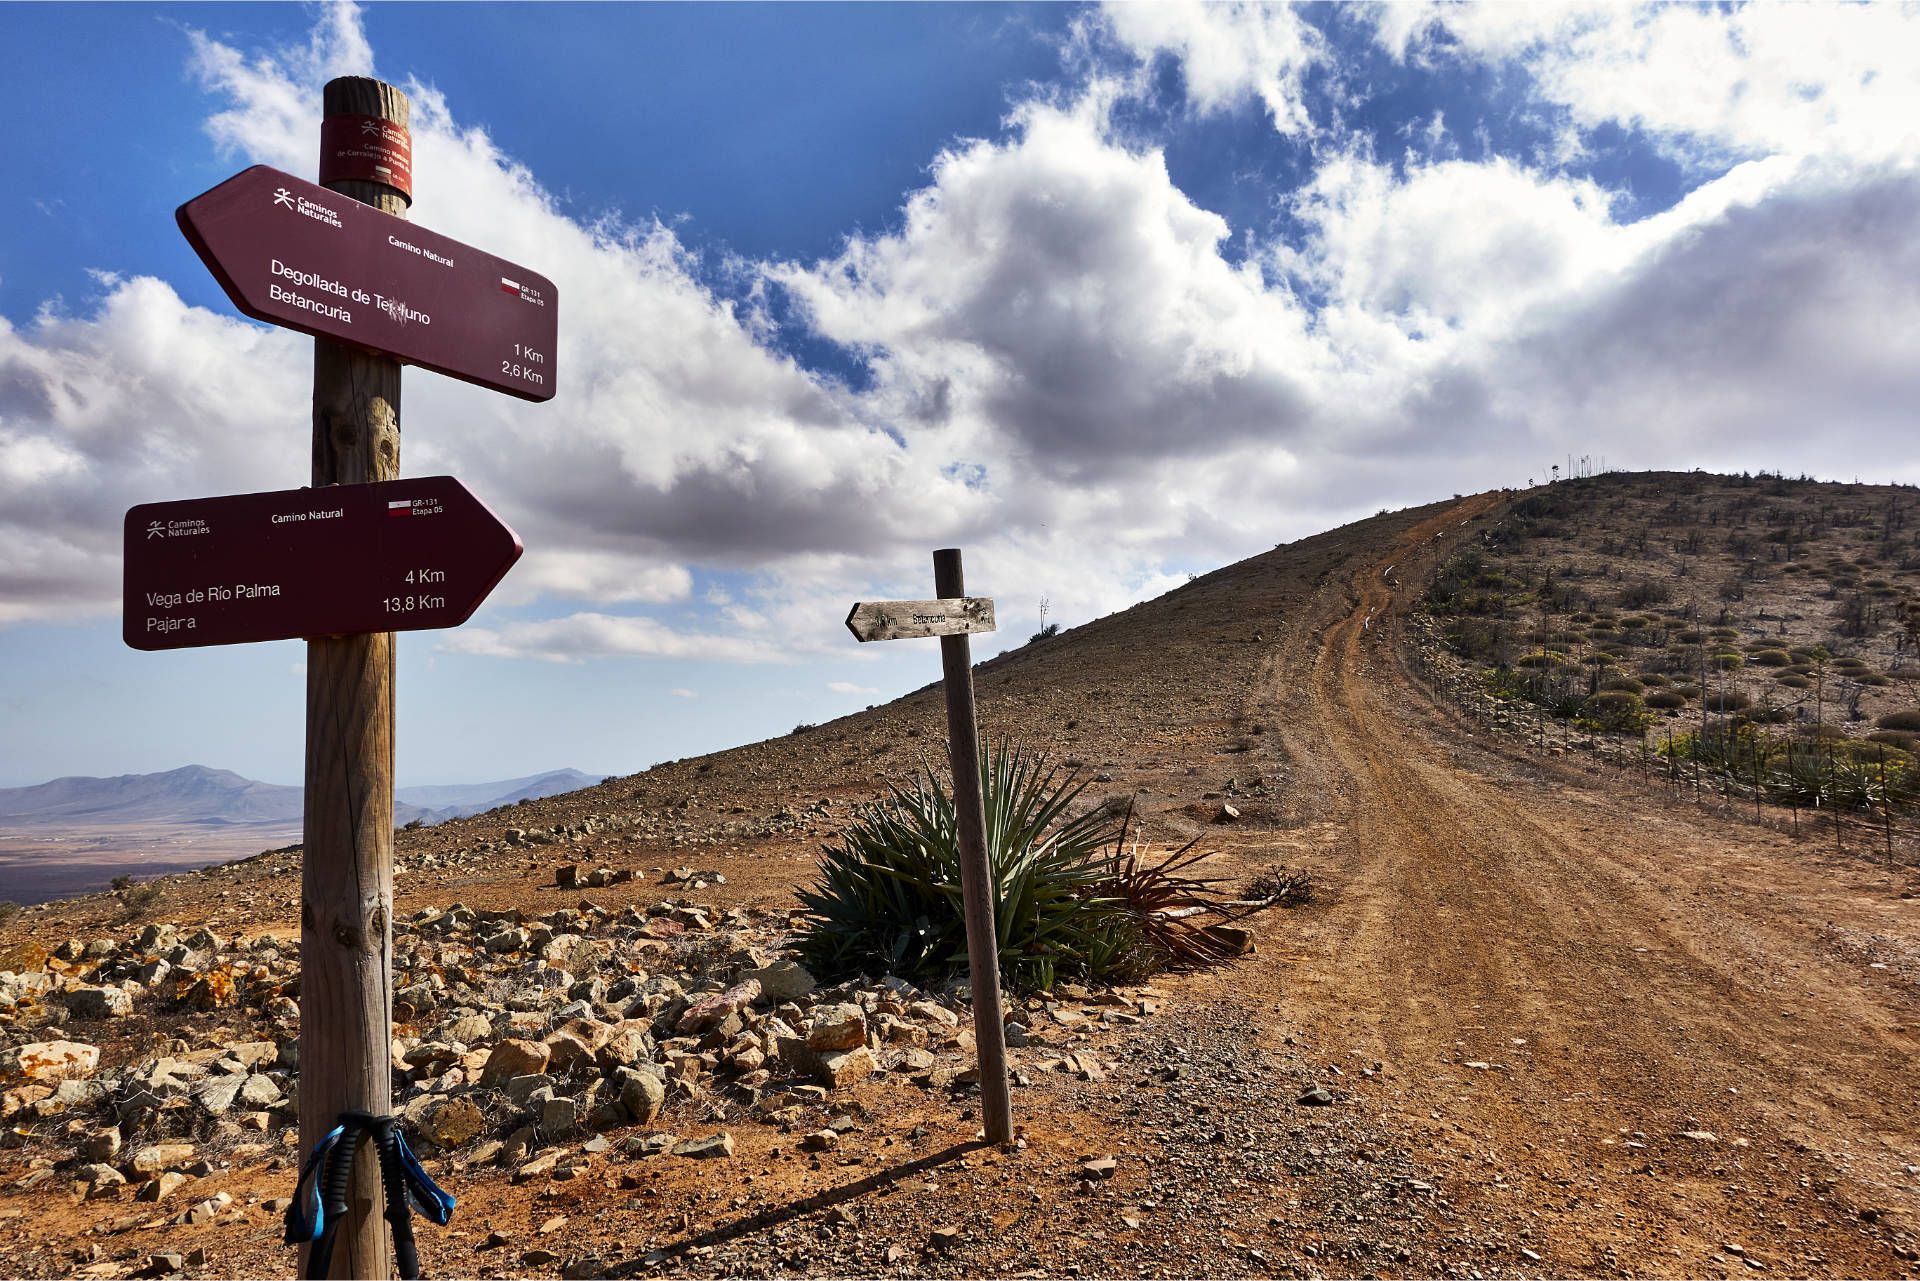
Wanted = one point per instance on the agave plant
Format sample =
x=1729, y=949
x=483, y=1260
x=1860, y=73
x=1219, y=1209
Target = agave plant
x=888, y=895
x=1170, y=909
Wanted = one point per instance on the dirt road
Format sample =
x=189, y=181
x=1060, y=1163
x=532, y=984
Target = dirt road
x=1629, y=1038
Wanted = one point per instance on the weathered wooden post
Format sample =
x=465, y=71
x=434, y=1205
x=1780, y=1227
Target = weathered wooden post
x=952, y=617
x=976, y=870
x=346, y=876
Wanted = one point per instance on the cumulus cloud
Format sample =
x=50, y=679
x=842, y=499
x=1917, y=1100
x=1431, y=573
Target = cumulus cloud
x=579, y=637
x=848, y=687
x=1230, y=52
x=1057, y=301
x=1752, y=79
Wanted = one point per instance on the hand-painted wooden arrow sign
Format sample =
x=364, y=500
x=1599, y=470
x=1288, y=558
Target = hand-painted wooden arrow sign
x=295, y=254
x=400, y=555
x=899, y=619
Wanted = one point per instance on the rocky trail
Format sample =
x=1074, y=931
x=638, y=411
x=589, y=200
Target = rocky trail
x=1539, y=1020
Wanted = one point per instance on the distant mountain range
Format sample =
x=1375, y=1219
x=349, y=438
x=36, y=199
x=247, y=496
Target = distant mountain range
x=195, y=794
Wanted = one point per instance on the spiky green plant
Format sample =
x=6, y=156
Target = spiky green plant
x=887, y=898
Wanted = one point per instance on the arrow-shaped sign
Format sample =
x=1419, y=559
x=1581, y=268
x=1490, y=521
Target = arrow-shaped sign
x=899, y=619
x=295, y=254
x=400, y=555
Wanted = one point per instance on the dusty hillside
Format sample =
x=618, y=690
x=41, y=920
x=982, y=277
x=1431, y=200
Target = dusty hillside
x=1566, y=1024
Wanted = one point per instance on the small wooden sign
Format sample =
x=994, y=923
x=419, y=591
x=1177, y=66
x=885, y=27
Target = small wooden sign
x=874, y=620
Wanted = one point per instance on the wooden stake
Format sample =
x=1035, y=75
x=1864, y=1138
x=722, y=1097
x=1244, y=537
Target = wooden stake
x=976, y=872
x=346, y=883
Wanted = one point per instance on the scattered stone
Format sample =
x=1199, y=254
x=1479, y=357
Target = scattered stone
x=716, y=1145
x=50, y=1061
x=819, y=1141
x=715, y=1010
x=150, y=1160
x=1237, y=939
x=837, y=1027
x=514, y=1057
x=837, y=1071
x=643, y=1095
x=538, y=1168
x=102, y=1144
x=456, y=1123
x=1098, y=1168
x=99, y=1003
x=1315, y=1097
x=163, y=1185
x=782, y=981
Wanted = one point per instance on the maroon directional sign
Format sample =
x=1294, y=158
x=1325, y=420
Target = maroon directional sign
x=295, y=254
x=400, y=555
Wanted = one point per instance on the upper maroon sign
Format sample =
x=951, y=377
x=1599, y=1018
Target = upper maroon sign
x=366, y=149
x=295, y=254
x=400, y=555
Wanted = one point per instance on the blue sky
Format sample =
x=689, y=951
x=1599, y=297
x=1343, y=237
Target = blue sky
x=1105, y=295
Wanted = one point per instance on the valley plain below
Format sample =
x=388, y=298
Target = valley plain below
x=77, y=834
x=1546, y=1014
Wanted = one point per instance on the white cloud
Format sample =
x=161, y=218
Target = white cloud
x=683, y=693
x=1230, y=52
x=1755, y=79
x=1056, y=305
x=579, y=637
x=848, y=687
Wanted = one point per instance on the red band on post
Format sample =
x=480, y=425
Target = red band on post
x=366, y=149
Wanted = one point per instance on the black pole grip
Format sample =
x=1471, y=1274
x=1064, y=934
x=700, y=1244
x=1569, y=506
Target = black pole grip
x=406, y=1255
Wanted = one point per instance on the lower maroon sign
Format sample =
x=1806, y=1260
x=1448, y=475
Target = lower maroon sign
x=401, y=555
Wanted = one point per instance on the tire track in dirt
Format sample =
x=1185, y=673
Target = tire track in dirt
x=1551, y=1002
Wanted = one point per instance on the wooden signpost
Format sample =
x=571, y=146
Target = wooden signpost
x=951, y=618
x=351, y=560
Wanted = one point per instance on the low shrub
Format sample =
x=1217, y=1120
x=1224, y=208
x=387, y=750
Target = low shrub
x=1655, y=679
x=1281, y=886
x=1726, y=662
x=1794, y=680
x=1665, y=699
x=1909, y=720
x=1771, y=658
x=1616, y=712
x=136, y=901
x=1623, y=684
x=1688, y=692
x=1900, y=738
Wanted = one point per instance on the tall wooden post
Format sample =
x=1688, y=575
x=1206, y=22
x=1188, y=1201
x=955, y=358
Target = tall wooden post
x=976, y=872
x=346, y=928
